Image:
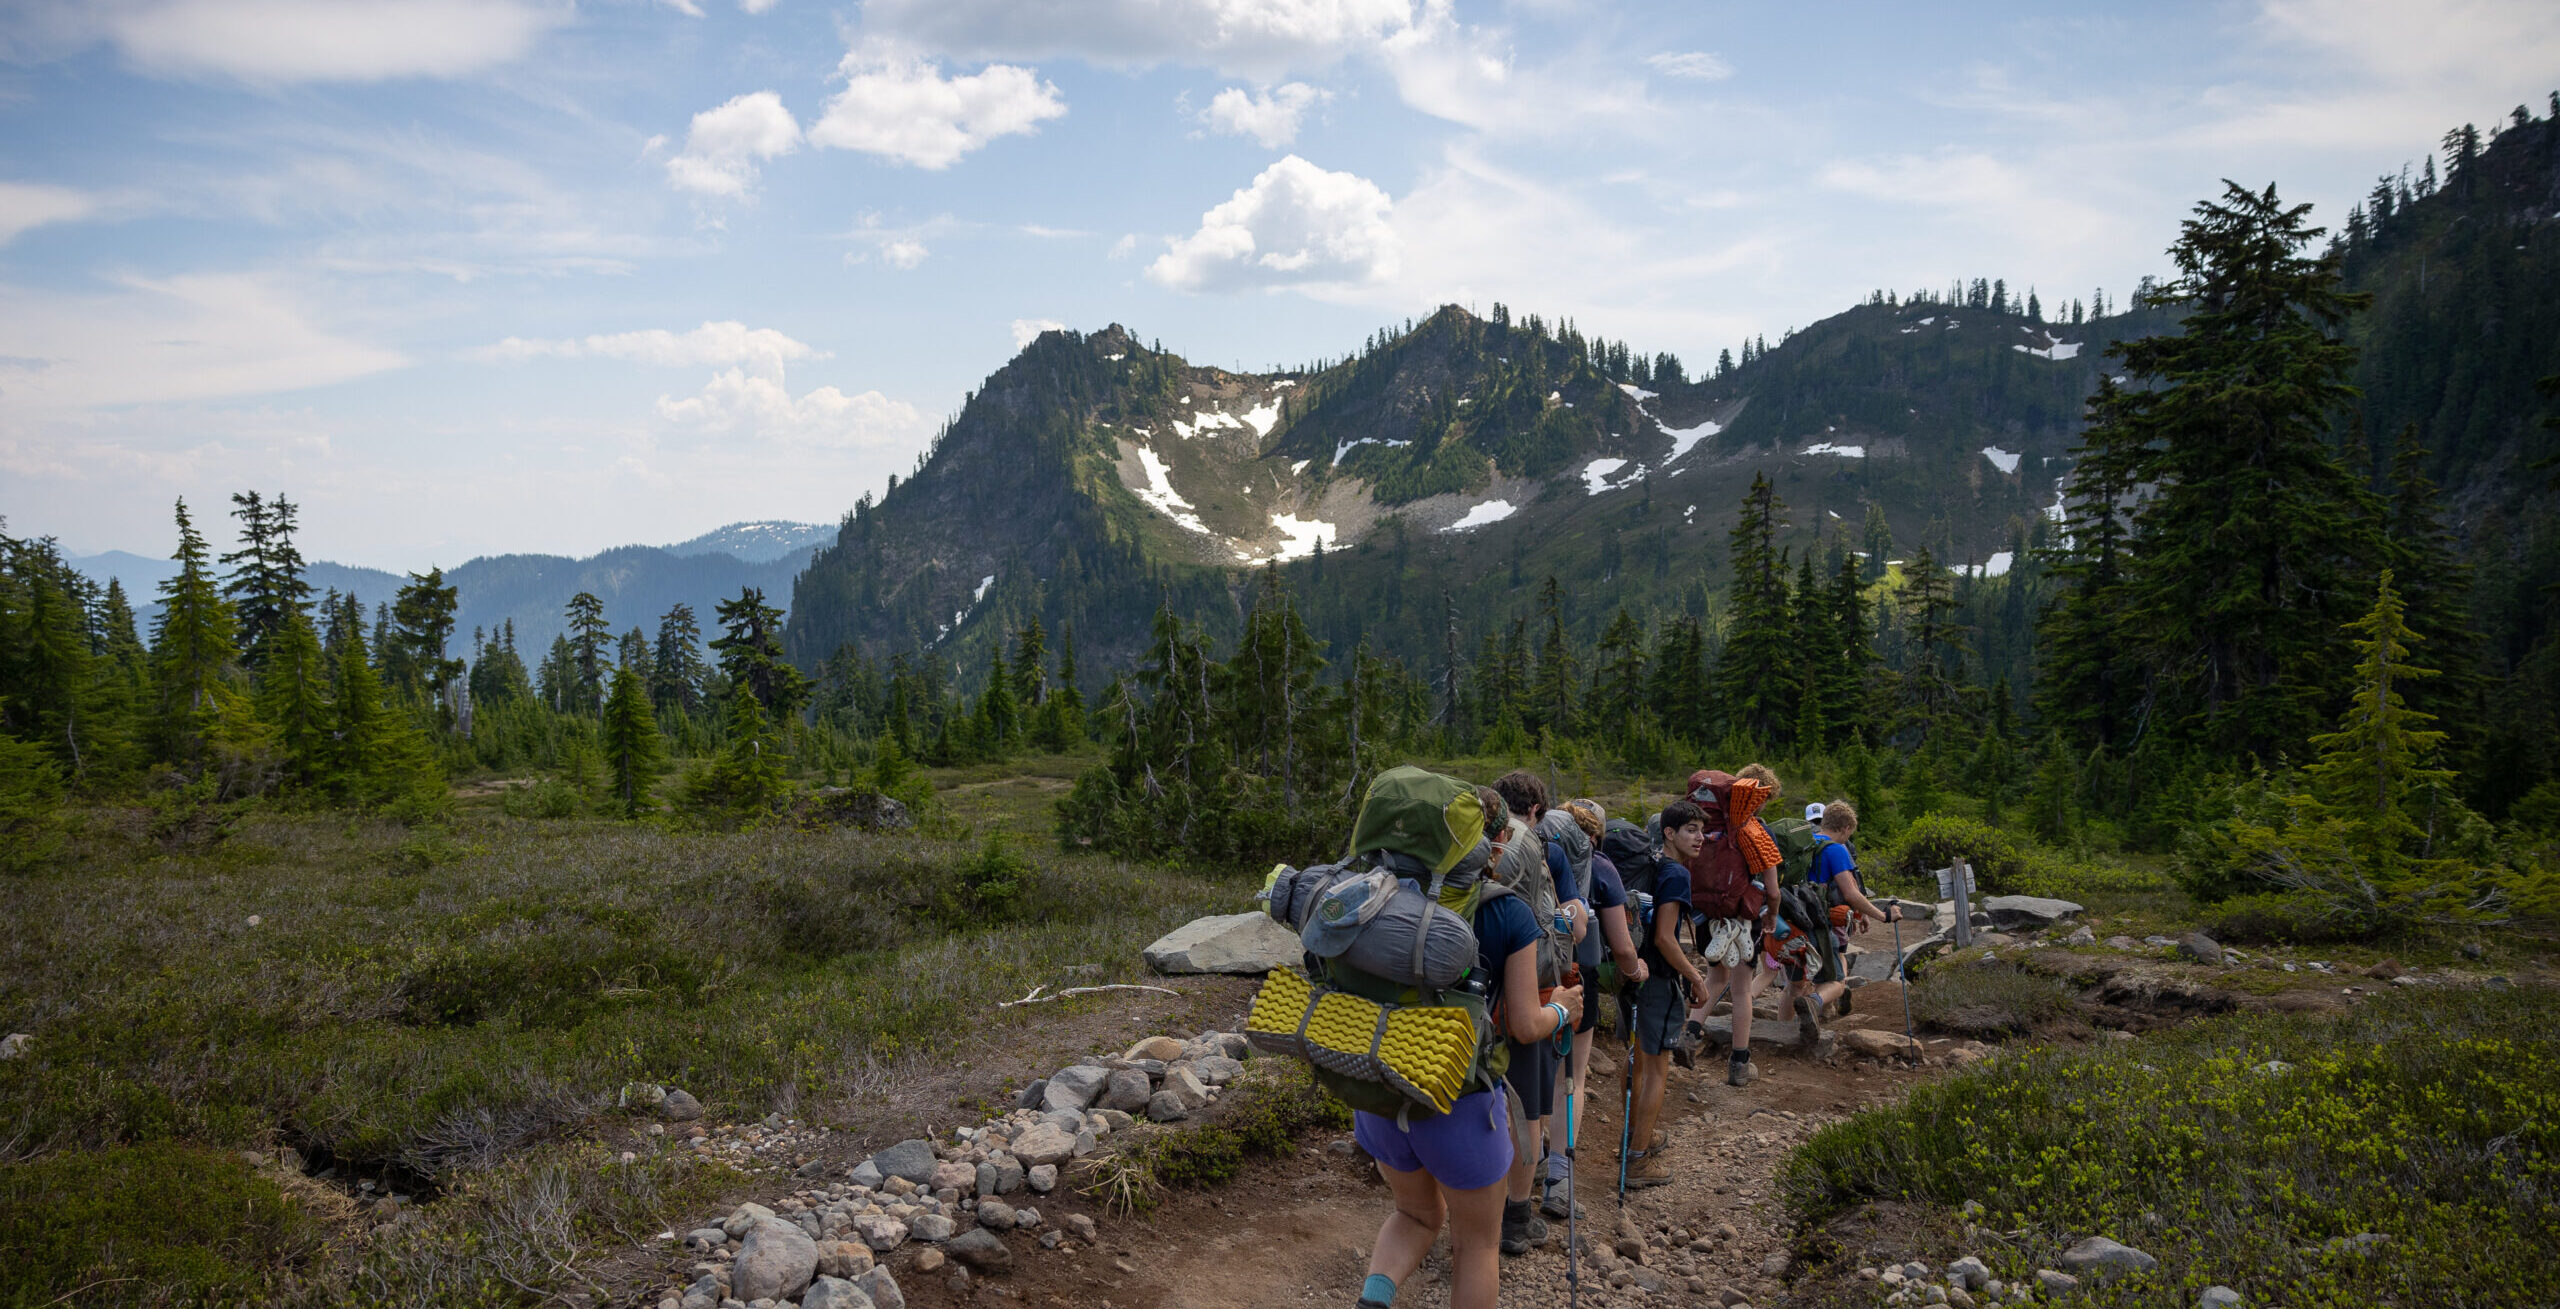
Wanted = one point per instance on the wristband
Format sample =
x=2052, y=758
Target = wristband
x=1563, y=1019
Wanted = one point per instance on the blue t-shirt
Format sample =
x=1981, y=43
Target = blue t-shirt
x=1605, y=892
x=1670, y=896
x=1830, y=859
x=1504, y=927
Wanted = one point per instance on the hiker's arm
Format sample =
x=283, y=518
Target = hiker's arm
x=1524, y=1018
x=1856, y=895
x=1666, y=940
x=1622, y=947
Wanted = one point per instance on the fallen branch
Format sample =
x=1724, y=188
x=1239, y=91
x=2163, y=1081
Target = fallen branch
x=1036, y=998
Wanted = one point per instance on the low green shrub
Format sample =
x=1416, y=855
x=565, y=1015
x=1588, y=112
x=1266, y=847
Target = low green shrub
x=1937, y=840
x=2250, y=1151
x=1988, y=999
x=1262, y=1117
x=2287, y=919
x=160, y=1223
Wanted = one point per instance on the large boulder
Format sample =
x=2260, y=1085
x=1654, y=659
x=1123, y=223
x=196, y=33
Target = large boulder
x=980, y=1249
x=1226, y=943
x=1043, y=1144
x=774, y=1263
x=882, y=1288
x=1129, y=1091
x=2011, y=912
x=912, y=1160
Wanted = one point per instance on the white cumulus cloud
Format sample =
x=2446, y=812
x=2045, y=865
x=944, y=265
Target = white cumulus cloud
x=897, y=104
x=760, y=404
x=1296, y=225
x=282, y=41
x=724, y=144
x=1696, y=64
x=1270, y=118
x=712, y=344
x=1028, y=330
x=1257, y=38
x=33, y=204
x=903, y=253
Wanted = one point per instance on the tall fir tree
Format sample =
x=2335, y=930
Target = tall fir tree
x=416, y=664
x=266, y=583
x=2246, y=561
x=194, y=649
x=751, y=654
x=293, y=699
x=1557, y=673
x=2089, y=677
x=1753, y=670
x=633, y=752
x=583, y=677
x=677, y=667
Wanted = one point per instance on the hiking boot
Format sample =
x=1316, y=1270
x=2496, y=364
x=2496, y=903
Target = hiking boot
x=1809, y=1020
x=1661, y=1141
x=1517, y=1236
x=1653, y=1169
x=1560, y=1205
x=1741, y=1073
x=1842, y=1004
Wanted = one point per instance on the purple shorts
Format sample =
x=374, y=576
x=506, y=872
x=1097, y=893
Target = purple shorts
x=1465, y=1149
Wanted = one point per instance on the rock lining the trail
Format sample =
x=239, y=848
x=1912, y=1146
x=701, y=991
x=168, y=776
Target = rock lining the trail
x=1226, y=943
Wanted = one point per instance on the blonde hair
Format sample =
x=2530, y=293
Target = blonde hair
x=1760, y=773
x=1589, y=816
x=1839, y=816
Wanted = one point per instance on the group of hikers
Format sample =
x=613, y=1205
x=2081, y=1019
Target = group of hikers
x=1529, y=917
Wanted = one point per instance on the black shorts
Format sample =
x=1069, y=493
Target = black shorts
x=1533, y=1077
x=1661, y=1011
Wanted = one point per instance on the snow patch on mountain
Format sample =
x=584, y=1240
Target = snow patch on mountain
x=1491, y=511
x=1300, y=538
x=1996, y=566
x=1263, y=417
x=1596, y=474
x=1160, y=493
x=983, y=584
x=1638, y=392
x=2054, y=347
x=1685, y=439
x=1844, y=451
x=2001, y=459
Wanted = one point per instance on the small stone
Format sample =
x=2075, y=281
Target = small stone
x=705, y=1238
x=1935, y=1294
x=1030, y=1096
x=2081, y=936
x=744, y=1220
x=882, y=1288
x=930, y=1227
x=2102, y=1257
x=844, y=1258
x=1969, y=1273
x=834, y=1293
x=1082, y=1226
x=1959, y=1297
x=2385, y=971
x=2218, y=1297
x=1128, y=1090
x=680, y=1107
x=980, y=1249
x=929, y=1261
x=1116, y=1120
x=2200, y=948
x=1087, y=1143
x=1732, y=1298
x=2056, y=1283
x=1218, y=1069
x=959, y=1283
x=954, y=1177
x=813, y=1168
x=1181, y=1081
x=881, y=1232
x=1775, y=1265
x=995, y=1215
x=866, y=1173
x=1166, y=1107
x=1044, y=1144
x=1050, y=1240
x=1043, y=1178
x=1075, y=1087
x=2470, y=950
x=1163, y=1049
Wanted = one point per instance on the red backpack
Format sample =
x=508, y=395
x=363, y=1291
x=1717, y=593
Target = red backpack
x=1724, y=878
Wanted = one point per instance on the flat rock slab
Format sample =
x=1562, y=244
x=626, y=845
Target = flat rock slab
x=2008, y=911
x=1781, y=1033
x=1226, y=943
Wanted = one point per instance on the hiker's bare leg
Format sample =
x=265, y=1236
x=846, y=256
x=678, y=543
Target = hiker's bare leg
x=1738, y=982
x=1407, y=1234
x=1475, y=1244
x=1524, y=1151
x=1652, y=1074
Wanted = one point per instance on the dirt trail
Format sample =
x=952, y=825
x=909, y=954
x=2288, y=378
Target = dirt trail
x=1297, y=1232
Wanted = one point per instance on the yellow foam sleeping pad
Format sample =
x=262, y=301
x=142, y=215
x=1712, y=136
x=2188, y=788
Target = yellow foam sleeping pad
x=1423, y=1051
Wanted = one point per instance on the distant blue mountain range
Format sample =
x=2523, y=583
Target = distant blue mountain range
x=638, y=583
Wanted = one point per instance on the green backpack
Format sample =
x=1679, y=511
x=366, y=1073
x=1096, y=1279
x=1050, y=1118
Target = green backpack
x=1797, y=841
x=1394, y=1046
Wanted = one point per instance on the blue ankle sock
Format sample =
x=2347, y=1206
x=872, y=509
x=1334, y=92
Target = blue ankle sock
x=1379, y=1289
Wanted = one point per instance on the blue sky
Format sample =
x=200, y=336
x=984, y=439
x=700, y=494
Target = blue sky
x=475, y=276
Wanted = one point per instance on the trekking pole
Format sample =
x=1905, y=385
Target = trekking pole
x=1626, y=1113
x=1902, y=979
x=1572, y=1202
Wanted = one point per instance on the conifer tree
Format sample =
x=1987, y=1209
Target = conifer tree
x=632, y=749
x=676, y=668
x=1816, y=660
x=1932, y=686
x=2088, y=676
x=267, y=580
x=1557, y=671
x=1031, y=666
x=751, y=654
x=2435, y=584
x=2243, y=566
x=193, y=648
x=583, y=680
x=373, y=756
x=998, y=711
x=293, y=698
x=422, y=618
x=1851, y=704
x=1617, y=684
x=1752, y=671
